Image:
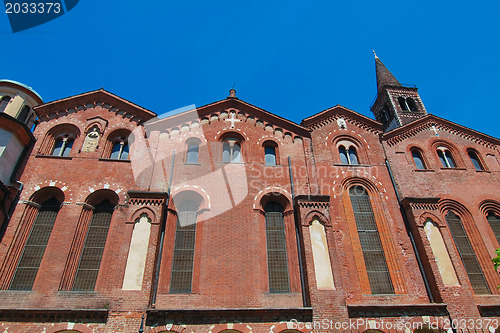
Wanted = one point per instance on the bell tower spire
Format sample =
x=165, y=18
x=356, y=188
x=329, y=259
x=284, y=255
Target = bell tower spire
x=396, y=104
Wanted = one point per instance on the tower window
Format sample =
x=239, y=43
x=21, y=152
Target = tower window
x=445, y=157
x=4, y=102
x=472, y=267
x=184, y=246
x=475, y=160
x=120, y=150
x=371, y=246
x=193, y=153
x=412, y=106
x=27, y=269
x=62, y=146
x=24, y=113
x=417, y=158
x=348, y=156
x=93, y=248
x=402, y=103
x=277, y=262
x=231, y=151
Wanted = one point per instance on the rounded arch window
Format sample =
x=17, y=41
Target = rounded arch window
x=193, y=151
x=348, y=152
x=4, y=102
x=418, y=158
x=63, y=145
x=446, y=157
x=270, y=153
x=231, y=150
x=476, y=161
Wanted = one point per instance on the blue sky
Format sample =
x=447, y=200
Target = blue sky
x=291, y=58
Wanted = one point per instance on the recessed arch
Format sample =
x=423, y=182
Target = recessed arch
x=100, y=195
x=46, y=192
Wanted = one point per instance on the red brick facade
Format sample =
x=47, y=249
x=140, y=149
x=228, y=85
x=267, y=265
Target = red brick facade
x=233, y=161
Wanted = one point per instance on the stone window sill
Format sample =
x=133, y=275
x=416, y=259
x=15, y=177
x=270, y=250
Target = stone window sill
x=113, y=160
x=55, y=157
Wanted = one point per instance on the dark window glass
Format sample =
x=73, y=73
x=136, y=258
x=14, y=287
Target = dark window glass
x=26, y=271
x=270, y=155
x=57, y=147
x=411, y=104
x=353, y=157
x=119, y=150
x=67, y=147
x=467, y=254
x=417, y=158
x=62, y=147
x=277, y=262
x=192, y=153
x=184, y=244
x=475, y=160
x=371, y=246
x=343, y=155
x=449, y=159
x=446, y=158
x=494, y=222
x=93, y=248
x=402, y=103
x=24, y=113
x=3, y=103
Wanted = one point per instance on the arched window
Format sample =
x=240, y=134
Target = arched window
x=63, y=145
x=193, y=151
x=119, y=150
x=231, y=151
x=445, y=157
x=464, y=247
x=475, y=160
x=494, y=221
x=4, y=102
x=412, y=106
x=348, y=156
x=402, y=103
x=34, y=249
x=371, y=246
x=277, y=262
x=417, y=158
x=270, y=157
x=184, y=245
x=93, y=248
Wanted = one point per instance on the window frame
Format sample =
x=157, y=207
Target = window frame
x=232, y=142
x=271, y=145
x=65, y=139
x=447, y=155
x=348, y=147
x=416, y=150
x=479, y=160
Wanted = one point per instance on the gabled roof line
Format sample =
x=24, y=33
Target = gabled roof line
x=323, y=115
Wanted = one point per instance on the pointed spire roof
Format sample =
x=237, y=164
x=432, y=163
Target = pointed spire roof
x=384, y=77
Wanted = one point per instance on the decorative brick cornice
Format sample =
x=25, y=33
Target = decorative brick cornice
x=146, y=198
x=421, y=203
x=313, y=201
x=404, y=310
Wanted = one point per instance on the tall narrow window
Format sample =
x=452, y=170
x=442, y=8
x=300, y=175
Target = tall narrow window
x=93, y=248
x=192, y=153
x=270, y=155
x=62, y=146
x=494, y=221
x=475, y=160
x=4, y=102
x=402, y=103
x=231, y=151
x=472, y=267
x=371, y=246
x=412, y=106
x=343, y=155
x=183, y=259
x=353, y=156
x=348, y=156
x=417, y=158
x=119, y=150
x=24, y=114
x=445, y=157
x=34, y=249
x=277, y=262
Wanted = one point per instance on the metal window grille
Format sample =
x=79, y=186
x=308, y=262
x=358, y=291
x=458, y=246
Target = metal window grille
x=183, y=259
x=371, y=246
x=494, y=222
x=26, y=271
x=93, y=248
x=467, y=254
x=277, y=262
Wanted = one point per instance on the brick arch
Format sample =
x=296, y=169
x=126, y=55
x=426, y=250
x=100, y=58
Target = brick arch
x=219, y=328
x=194, y=193
x=47, y=192
x=54, y=132
x=111, y=138
x=97, y=196
x=486, y=206
x=144, y=210
x=424, y=217
x=359, y=144
x=370, y=187
x=457, y=157
x=316, y=214
x=272, y=194
x=168, y=328
x=61, y=327
x=290, y=327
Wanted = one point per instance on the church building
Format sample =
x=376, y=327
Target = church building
x=230, y=219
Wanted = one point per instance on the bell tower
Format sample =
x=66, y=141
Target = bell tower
x=396, y=105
